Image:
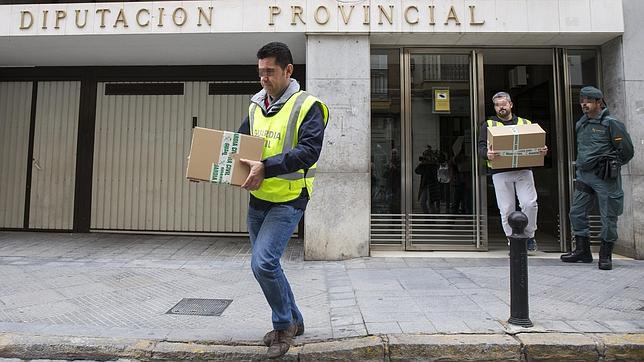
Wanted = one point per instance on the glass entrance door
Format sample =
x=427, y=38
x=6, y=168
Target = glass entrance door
x=440, y=188
x=423, y=159
x=580, y=67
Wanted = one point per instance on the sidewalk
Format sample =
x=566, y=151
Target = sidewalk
x=97, y=296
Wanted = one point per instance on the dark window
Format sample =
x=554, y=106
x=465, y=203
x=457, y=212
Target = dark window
x=220, y=88
x=118, y=89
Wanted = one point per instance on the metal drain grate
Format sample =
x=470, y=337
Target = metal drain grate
x=203, y=307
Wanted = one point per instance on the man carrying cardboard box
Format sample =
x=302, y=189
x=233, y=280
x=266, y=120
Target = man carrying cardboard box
x=292, y=122
x=510, y=181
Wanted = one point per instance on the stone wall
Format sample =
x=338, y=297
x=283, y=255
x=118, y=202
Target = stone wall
x=623, y=83
x=337, y=218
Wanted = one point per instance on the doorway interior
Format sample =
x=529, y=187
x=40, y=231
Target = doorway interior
x=528, y=76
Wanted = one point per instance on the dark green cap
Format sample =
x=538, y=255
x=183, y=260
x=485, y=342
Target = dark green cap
x=591, y=92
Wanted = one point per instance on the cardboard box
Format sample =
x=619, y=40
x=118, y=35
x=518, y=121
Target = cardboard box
x=518, y=145
x=214, y=156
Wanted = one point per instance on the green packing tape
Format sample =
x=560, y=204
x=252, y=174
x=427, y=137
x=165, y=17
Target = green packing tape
x=216, y=173
x=515, y=146
x=515, y=154
x=519, y=152
x=222, y=172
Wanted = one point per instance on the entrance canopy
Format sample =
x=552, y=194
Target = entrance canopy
x=229, y=32
x=148, y=49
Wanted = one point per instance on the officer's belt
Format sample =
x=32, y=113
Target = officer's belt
x=583, y=187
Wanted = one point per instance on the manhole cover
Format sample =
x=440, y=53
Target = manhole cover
x=205, y=307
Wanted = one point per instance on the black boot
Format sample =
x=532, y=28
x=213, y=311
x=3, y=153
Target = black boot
x=581, y=253
x=605, y=256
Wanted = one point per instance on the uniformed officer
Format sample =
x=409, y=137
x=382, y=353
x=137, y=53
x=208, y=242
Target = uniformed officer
x=603, y=146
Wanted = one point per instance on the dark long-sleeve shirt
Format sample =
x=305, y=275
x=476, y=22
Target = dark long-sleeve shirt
x=306, y=153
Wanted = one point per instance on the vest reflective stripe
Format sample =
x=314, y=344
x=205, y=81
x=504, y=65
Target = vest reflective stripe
x=520, y=122
x=251, y=116
x=309, y=175
x=280, y=130
x=293, y=123
x=493, y=123
x=296, y=175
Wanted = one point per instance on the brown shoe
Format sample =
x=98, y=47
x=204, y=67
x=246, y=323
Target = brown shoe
x=282, y=342
x=268, y=337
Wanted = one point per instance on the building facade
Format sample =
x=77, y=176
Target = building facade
x=98, y=99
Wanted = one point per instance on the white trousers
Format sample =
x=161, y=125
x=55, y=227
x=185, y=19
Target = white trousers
x=505, y=186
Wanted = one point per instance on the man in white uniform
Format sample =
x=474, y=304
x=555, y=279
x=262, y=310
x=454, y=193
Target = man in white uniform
x=511, y=181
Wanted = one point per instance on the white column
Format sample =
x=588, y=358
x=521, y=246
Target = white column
x=337, y=218
x=623, y=78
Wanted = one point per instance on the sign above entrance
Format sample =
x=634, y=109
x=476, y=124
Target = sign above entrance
x=306, y=16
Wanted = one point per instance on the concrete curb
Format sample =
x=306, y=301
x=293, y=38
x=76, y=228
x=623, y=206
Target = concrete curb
x=398, y=347
x=458, y=347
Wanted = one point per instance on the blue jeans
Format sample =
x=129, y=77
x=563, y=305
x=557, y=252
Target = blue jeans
x=269, y=232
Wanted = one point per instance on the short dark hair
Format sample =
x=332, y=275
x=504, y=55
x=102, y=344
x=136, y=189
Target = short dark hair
x=501, y=95
x=279, y=51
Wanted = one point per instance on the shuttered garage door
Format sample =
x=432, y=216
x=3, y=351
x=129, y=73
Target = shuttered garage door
x=15, y=108
x=141, y=145
x=54, y=158
x=53, y=164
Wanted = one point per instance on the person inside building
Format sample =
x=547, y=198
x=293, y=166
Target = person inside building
x=511, y=183
x=392, y=177
x=292, y=122
x=603, y=146
x=429, y=193
x=461, y=178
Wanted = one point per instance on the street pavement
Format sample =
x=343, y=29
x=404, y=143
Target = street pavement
x=121, y=286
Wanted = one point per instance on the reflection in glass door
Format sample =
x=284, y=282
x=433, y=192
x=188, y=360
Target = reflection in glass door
x=440, y=192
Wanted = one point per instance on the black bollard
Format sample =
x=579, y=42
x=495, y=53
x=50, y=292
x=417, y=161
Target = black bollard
x=519, y=314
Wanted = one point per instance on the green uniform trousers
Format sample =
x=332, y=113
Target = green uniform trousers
x=610, y=198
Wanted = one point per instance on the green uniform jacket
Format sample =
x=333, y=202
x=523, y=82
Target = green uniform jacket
x=600, y=138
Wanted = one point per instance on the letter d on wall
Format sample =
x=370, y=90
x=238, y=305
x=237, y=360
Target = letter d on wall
x=23, y=15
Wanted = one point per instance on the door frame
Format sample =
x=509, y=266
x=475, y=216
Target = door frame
x=564, y=163
x=567, y=162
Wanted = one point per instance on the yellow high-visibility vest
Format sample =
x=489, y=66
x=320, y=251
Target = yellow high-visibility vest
x=493, y=123
x=280, y=133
